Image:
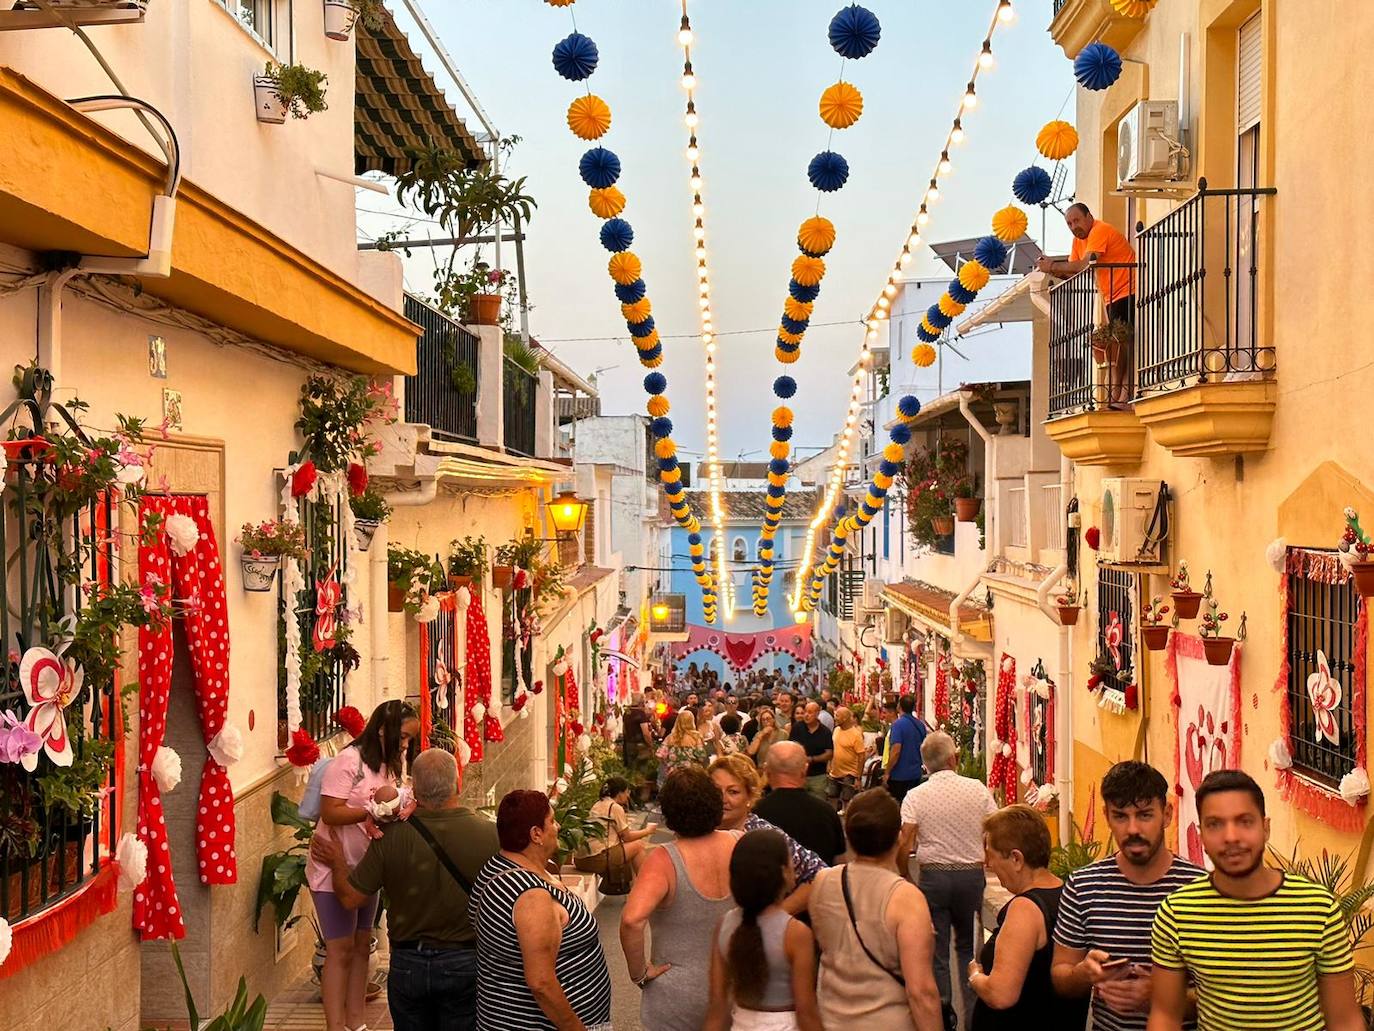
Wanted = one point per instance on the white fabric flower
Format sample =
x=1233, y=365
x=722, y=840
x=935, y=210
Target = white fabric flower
x=1008, y=664
x=560, y=785
x=1348, y=558
x=429, y=610
x=6, y=940
x=1276, y=554
x=464, y=752
x=1006, y=750
x=132, y=857
x=479, y=711
x=182, y=534
x=226, y=747
x=1279, y=754
x=560, y=668
x=584, y=744
x=130, y=474
x=166, y=769
x=525, y=713
x=1042, y=688
x=1355, y=785
x=1046, y=793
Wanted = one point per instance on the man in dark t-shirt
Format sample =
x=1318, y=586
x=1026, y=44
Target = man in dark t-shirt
x=816, y=739
x=790, y=807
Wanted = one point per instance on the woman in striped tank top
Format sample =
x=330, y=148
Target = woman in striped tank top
x=539, y=958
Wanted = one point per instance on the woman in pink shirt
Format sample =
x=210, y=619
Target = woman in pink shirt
x=379, y=756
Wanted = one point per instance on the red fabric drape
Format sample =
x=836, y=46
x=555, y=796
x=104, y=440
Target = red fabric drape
x=197, y=582
x=1003, y=773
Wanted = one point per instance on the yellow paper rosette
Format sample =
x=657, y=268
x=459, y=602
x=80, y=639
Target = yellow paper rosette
x=647, y=343
x=658, y=406
x=638, y=311
x=930, y=330
x=782, y=416
x=893, y=452
x=606, y=203
x=589, y=117
x=665, y=448
x=651, y=363
x=950, y=307
x=789, y=338
x=841, y=105
x=972, y=276
x=1057, y=140
x=816, y=235
x=795, y=309
x=773, y=502
x=560, y=3
x=882, y=482
x=923, y=355
x=786, y=357
x=808, y=271
x=1009, y=224
x=777, y=480
x=779, y=449
x=626, y=267
x=670, y=475
x=1134, y=8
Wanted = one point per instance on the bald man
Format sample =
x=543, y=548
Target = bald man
x=790, y=807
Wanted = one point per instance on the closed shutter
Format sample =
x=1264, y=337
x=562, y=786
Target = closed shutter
x=1249, y=69
x=589, y=535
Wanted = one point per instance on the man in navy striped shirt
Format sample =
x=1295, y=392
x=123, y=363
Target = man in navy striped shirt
x=1102, y=936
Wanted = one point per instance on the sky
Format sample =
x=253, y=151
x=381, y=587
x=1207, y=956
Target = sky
x=761, y=66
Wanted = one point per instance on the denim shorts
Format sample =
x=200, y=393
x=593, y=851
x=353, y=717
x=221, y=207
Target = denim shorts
x=338, y=921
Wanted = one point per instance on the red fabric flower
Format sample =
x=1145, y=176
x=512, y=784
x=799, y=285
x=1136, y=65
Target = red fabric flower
x=577, y=729
x=521, y=579
x=351, y=720
x=303, y=479
x=594, y=636
x=357, y=479
x=519, y=702
x=1092, y=536
x=1132, y=693
x=538, y=687
x=303, y=750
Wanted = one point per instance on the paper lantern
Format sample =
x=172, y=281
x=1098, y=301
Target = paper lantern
x=1009, y=224
x=854, y=32
x=991, y=253
x=560, y=3
x=1133, y=8
x=638, y=311
x=652, y=358
x=599, y=168
x=828, y=171
x=628, y=293
x=951, y=307
x=661, y=427
x=646, y=339
x=1057, y=140
x=782, y=432
x=1097, y=66
x=841, y=105
x=923, y=355
x=974, y=276
x=803, y=293
x=816, y=236
x=575, y=57
x=925, y=334
x=589, y=117
x=893, y=452
x=616, y=235
x=808, y=271
x=624, y=267
x=606, y=203
x=1032, y=185
x=900, y=434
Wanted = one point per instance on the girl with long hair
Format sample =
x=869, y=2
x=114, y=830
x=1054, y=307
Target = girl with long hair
x=764, y=960
x=684, y=746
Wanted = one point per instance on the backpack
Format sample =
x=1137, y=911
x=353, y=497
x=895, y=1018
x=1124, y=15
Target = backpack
x=309, y=809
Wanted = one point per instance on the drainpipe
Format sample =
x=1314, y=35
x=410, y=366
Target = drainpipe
x=1063, y=778
x=990, y=524
x=378, y=636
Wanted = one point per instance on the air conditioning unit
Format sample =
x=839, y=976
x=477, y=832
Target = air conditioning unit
x=895, y=624
x=1134, y=522
x=1149, y=149
x=873, y=593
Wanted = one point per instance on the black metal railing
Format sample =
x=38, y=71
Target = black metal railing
x=1090, y=367
x=520, y=390
x=1321, y=617
x=443, y=392
x=1116, y=591
x=1198, y=297
x=1059, y=6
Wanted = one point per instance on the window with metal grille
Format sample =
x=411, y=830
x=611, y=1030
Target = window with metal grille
x=1321, y=618
x=1116, y=591
x=322, y=673
x=851, y=591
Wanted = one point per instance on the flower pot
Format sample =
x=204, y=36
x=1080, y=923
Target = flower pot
x=502, y=576
x=457, y=583
x=338, y=19
x=363, y=532
x=259, y=572
x=61, y=860
x=1186, y=603
x=1156, y=638
x=942, y=525
x=1363, y=574
x=966, y=509
x=485, y=309
x=1068, y=615
x=395, y=598
x=269, y=106
x=1218, y=649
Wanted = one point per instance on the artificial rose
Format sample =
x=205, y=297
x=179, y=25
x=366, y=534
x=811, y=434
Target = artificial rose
x=464, y=752
x=521, y=579
x=303, y=479
x=520, y=700
x=429, y=610
x=166, y=769
x=182, y=533
x=226, y=747
x=1276, y=554
x=1092, y=537
x=560, y=668
x=584, y=744
x=351, y=720
x=303, y=751
x=577, y=729
x=1279, y=754
x=357, y=479
x=538, y=687
x=524, y=714
x=132, y=857
x=1355, y=786
x=479, y=711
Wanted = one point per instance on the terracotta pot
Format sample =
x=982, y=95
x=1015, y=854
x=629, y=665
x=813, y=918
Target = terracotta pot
x=259, y=573
x=1186, y=603
x=1156, y=638
x=1363, y=574
x=1068, y=615
x=395, y=598
x=502, y=576
x=69, y=857
x=457, y=583
x=942, y=525
x=338, y=19
x=363, y=532
x=269, y=106
x=1218, y=649
x=485, y=309
x=966, y=509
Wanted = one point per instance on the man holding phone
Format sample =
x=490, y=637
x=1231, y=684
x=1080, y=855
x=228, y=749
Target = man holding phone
x=1102, y=936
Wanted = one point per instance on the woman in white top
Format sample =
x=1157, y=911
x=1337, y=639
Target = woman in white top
x=610, y=812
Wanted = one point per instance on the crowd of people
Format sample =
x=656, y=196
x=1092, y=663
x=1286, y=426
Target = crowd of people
x=789, y=898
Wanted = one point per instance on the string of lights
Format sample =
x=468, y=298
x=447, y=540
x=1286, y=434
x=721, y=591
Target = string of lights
x=803, y=600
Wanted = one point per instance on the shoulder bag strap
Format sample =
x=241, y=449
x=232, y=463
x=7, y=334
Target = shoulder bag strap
x=439, y=854
x=854, y=923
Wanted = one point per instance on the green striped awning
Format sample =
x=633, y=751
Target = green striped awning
x=399, y=108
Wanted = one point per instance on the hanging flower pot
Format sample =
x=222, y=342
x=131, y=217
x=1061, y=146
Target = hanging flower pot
x=1156, y=638
x=259, y=571
x=395, y=598
x=339, y=17
x=1363, y=575
x=1068, y=615
x=363, y=532
x=942, y=525
x=1186, y=603
x=502, y=576
x=966, y=509
x=485, y=309
x=457, y=583
x=1218, y=649
x=270, y=107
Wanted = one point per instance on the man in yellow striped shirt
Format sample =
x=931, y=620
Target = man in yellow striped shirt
x=1264, y=949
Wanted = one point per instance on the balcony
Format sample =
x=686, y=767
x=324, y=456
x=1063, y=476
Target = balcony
x=443, y=392
x=519, y=389
x=1076, y=23
x=1206, y=358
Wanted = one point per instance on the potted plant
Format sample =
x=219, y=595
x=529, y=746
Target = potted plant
x=370, y=510
x=341, y=15
x=467, y=562
x=1186, y=600
x=411, y=577
x=489, y=294
x=943, y=524
x=522, y=553
x=966, y=504
x=1153, y=630
x=1069, y=606
x=1109, y=339
x=264, y=546
x=1355, y=549
x=289, y=89
x=1216, y=647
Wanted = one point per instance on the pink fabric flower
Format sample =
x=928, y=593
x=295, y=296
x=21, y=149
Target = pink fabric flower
x=17, y=741
x=50, y=685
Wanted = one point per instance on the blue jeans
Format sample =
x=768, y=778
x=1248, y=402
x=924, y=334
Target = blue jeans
x=432, y=989
x=954, y=898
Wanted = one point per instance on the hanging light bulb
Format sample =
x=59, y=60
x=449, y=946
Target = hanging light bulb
x=883, y=302
x=922, y=217
x=693, y=151
x=695, y=181
x=933, y=193
x=1005, y=13
x=689, y=79
x=890, y=290
x=692, y=120
x=906, y=258
x=699, y=231
x=956, y=134
x=970, y=98
x=684, y=33
x=946, y=166
x=985, y=59
x=913, y=241
x=698, y=208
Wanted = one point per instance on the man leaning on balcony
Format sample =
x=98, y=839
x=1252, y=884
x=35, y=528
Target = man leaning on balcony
x=1096, y=241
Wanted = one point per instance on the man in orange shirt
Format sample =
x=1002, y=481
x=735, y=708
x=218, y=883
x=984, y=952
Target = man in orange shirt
x=1097, y=241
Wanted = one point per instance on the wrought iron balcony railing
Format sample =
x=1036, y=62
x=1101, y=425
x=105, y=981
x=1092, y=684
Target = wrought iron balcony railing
x=1086, y=371
x=443, y=392
x=520, y=392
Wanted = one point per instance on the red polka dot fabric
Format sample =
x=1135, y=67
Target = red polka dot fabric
x=1003, y=772
x=197, y=581
x=477, y=683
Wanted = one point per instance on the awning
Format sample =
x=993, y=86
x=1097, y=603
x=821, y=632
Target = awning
x=398, y=108
x=613, y=654
x=930, y=605
x=1020, y=302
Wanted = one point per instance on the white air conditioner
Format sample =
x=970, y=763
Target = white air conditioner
x=1149, y=149
x=895, y=624
x=873, y=593
x=1133, y=522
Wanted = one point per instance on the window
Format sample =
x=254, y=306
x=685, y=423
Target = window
x=257, y=16
x=322, y=673
x=1115, y=609
x=740, y=551
x=1321, y=621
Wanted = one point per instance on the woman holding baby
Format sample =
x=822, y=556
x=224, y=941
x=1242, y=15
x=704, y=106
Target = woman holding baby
x=378, y=758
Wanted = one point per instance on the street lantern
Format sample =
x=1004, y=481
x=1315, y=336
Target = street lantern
x=660, y=612
x=567, y=512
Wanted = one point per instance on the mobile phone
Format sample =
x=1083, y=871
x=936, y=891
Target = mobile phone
x=1115, y=964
